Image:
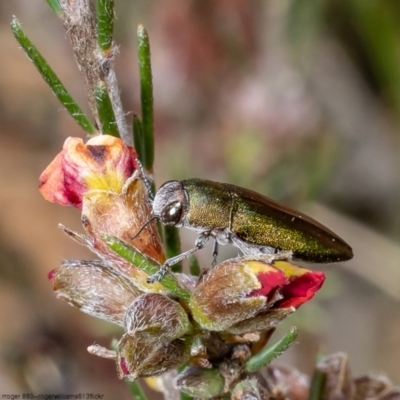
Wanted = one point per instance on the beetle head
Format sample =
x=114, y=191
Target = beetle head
x=169, y=205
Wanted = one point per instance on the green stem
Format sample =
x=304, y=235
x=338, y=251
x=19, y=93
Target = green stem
x=105, y=110
x=51, y=78
x=173, y=245
x=268, y=353
x=105, y=25
x=146, y=264
x=317, y=386
x=146, y=95
x=137, y=391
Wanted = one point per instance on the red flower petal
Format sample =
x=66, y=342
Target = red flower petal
x=53, y=187
x=124, y=366
x=301, y=289
x=270, y=280
x=51, y=275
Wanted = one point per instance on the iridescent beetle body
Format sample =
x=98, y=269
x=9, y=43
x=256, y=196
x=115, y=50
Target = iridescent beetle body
x=250, y=221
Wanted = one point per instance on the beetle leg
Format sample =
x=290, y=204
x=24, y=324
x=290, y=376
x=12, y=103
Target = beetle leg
x=268, y=258
x=201, y=241
x=214, y=254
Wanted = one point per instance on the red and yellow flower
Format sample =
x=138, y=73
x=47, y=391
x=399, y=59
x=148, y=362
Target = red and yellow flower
x=240, y=295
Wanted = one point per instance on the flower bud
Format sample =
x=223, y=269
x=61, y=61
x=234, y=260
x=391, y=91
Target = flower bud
x=155, y=316
x=200, y=382
x=374, y=387
x=94, y=289
x=139, y=357
x=238, y=290
x=248, y=390
x=100, y=177
x=339, y=383
x=286, y=382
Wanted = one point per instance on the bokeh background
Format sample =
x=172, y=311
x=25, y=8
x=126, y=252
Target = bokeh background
x=297, y=100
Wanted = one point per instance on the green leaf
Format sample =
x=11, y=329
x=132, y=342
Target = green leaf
x=268, y=353
x=105, y=24
x=51, y=78
x=137, y=391
x=55, y=6
x=146, y=264
x=376, y=24
x=194, y=266
x=138, y=140
x=317, y=386
x=106, y=113
x=146, y=96
x=172, y=245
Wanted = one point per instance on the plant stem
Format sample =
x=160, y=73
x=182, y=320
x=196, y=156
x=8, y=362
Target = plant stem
x=317, y=386
x=137, y=391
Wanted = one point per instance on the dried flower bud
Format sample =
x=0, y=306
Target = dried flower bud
x=375, y=387
x=264, y=320
x=239, y=289
x=200, y=382
x=393, y=394
x=284, y=382
x=114, y=262
x=139, y=357
x=339, y=384
x=155, y=316
x=94, y=289
x=248, y=389
x=122, y=215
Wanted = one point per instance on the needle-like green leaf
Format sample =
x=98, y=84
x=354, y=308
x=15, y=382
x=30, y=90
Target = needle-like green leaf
x=138, y=140
x=194, y=266
x=146, y=264
x=51, y=78
x=55, y=6
x=105, y=25
x=173, y=245
x=146, y=95
x=268, y=353
x=106, y=113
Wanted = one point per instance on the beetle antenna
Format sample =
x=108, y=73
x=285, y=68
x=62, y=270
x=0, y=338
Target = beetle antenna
x=144, y=226
x=146, y=180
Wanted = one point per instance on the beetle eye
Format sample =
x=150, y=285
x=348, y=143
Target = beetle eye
x=171, y=214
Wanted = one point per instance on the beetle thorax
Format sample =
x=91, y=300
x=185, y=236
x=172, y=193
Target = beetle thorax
x=170, y=203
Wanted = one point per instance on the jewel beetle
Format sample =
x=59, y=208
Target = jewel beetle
x=255, y=224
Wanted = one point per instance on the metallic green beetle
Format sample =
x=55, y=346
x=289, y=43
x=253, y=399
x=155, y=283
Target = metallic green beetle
x=256, y=224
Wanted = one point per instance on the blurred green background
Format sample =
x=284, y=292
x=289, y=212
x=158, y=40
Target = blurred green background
x=298, y=100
